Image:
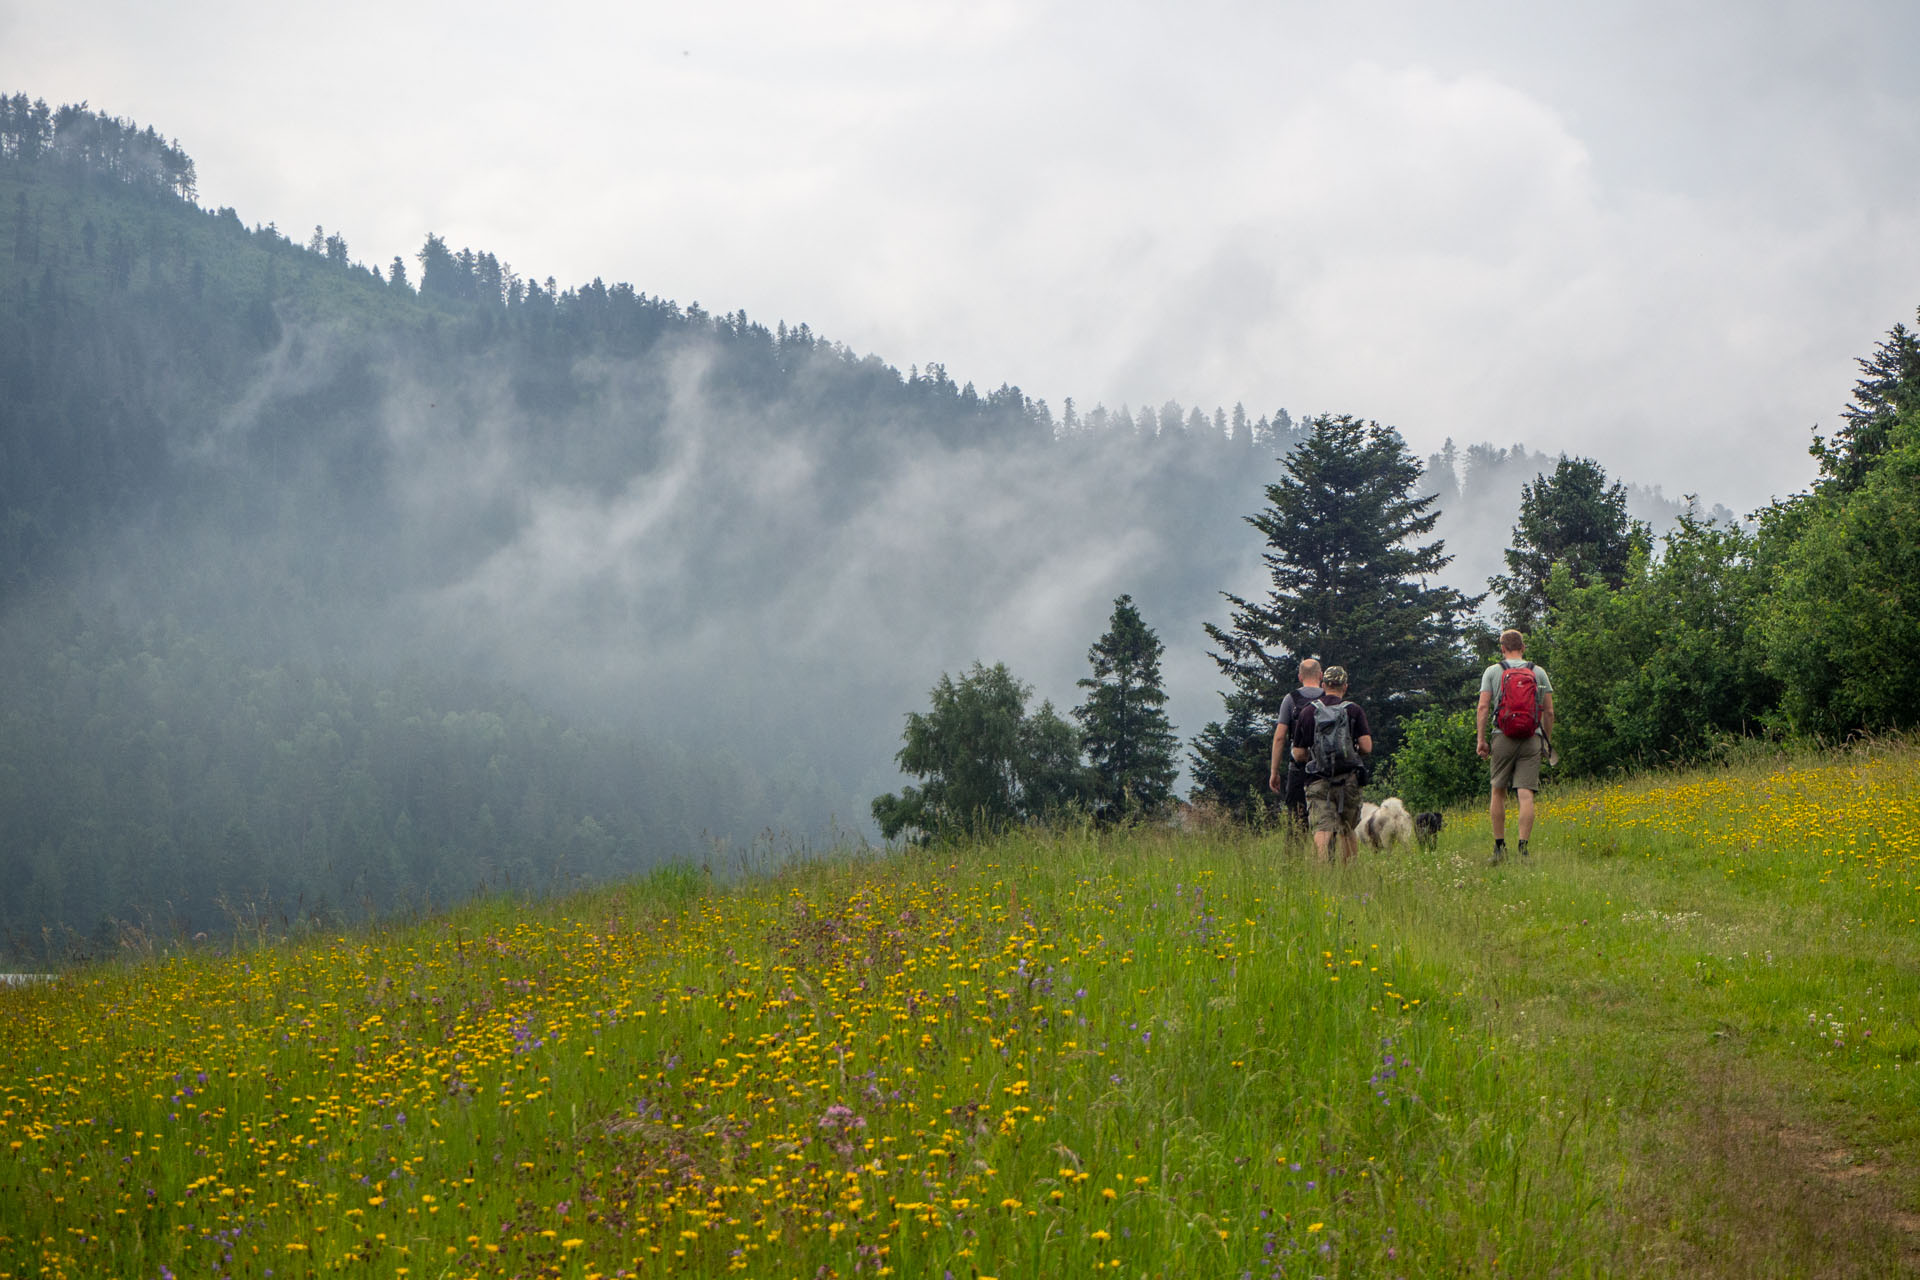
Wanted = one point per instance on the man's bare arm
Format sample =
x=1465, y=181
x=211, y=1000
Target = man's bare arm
x=1480, y=746
x=1274, y=778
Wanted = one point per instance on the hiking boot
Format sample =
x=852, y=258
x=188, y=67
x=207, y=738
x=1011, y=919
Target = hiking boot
x=1523, y=848
x=1499, y=854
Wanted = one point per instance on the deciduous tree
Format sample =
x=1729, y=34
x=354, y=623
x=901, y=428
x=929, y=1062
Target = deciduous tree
x=987, y=763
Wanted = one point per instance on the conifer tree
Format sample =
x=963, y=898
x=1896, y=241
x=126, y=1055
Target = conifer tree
x=1890, y=387
x=1350, y=587
x=1571, y=517
x=1123, y=726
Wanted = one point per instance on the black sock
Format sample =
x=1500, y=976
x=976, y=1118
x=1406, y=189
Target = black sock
x=1523, y=848
x=1500, y=842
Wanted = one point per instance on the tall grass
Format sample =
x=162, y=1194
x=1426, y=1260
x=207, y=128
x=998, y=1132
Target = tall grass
x=1135, y=1054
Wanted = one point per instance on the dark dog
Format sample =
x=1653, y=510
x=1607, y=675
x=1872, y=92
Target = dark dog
x=1426, y=828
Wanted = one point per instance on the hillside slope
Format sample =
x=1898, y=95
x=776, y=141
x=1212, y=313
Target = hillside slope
x=1677, y=1041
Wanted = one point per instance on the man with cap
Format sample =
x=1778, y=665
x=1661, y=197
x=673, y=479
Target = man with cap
x=1335, y=773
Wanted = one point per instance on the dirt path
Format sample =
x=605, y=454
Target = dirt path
x=1772, y=1193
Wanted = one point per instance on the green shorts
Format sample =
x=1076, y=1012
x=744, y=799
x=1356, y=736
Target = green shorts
x=1516, y=762
x=1333, y=804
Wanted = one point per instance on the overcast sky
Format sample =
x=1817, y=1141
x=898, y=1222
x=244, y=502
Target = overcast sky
x=1651, y=233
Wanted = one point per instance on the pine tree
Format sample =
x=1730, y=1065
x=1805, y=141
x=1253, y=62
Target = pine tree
x=1349, y=587
x=1573, y=517
x=1890, y=387
x=1123, y=727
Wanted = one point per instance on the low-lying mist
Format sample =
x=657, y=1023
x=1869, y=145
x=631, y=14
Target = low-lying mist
x=680, y=546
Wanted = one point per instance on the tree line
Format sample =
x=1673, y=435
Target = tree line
x=1803, y=623
x=281, y=447
x=198, y=455
x=83, y=140
x=1349, y=565
x=986, y=762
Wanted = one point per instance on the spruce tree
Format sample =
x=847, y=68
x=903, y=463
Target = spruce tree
x=1123, y=727
x=1890, y=387
x=1350, y=586
x=1573, y=517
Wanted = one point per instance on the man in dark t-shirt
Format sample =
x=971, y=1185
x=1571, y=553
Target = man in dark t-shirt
x=1333, y=797
x=1285, y=775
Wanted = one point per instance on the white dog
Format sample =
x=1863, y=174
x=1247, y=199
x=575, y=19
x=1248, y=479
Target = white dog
x=1385, y=824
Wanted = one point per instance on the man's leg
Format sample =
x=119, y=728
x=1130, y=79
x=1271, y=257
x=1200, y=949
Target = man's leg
x=1497, y=811
x=1349, y=845
x=1323, y=843
x=1497, y=815
x=1296, y=784
x=1526, y=816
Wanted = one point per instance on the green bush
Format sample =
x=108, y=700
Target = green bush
x=1435, y=766
x=1841, y=623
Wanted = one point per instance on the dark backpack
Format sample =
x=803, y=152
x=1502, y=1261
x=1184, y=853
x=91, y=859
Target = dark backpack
x=1333, y=752
x=1517, y=713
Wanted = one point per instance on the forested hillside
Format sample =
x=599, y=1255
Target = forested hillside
x=438, y=490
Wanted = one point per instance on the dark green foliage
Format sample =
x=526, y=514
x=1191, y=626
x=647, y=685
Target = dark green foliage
x=1229, y=763
x=1807, y=626
x=1658, y=670
x=1435, y=766
x=987, y=763
x=1350, y=586
x=1123, y=724
x=1842, y=621
x=1572, y=517
x=85, y=143
x=152, y=775
x=1889, y=390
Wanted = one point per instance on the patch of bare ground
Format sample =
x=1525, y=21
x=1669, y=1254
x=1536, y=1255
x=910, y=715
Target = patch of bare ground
x=1760, y=1190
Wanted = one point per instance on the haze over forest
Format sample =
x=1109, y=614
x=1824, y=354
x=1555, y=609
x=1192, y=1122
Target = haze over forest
x=741, y=549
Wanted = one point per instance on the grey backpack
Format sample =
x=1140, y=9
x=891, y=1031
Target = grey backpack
x=1333, y=751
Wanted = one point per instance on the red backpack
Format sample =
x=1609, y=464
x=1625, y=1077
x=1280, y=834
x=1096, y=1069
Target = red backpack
x=1517, y=713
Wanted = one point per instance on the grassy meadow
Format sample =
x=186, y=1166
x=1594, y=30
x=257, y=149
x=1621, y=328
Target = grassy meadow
x=1683, y=1038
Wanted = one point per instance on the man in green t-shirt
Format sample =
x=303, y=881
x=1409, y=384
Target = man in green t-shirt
x=1521, y=732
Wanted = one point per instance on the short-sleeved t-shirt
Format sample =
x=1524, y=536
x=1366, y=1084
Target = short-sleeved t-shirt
x=1303, y=726
x=1291, y=704
x=1490, y=679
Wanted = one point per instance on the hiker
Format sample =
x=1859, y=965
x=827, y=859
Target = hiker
x=1331, y=738
x=1518, y=695
x=1292, y=785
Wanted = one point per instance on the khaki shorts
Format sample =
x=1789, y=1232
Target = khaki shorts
x=1516, y=762
x=1333, y=804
